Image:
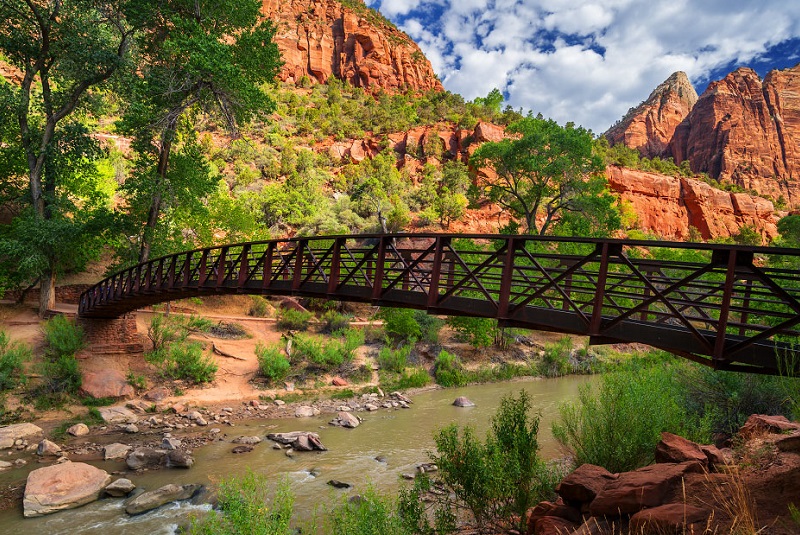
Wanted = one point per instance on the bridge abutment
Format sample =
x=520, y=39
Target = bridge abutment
x=114, y=336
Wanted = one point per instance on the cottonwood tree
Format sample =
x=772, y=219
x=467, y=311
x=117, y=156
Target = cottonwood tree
x=544, y=171
x=196, y=55
x=63, y=50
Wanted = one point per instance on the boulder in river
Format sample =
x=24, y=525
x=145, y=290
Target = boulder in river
x=62, y=486
x=11, y=433
x=242, y=449
x=339, y=484
x=118, y=415
x=299, y=440
x=305, y=411
x=463, y=401
x=121, y=487
x=179, y=459
x=247, y=440
x=78, y=430
x=115, y=451
x=153, y=499
x=142, y=458
x=47, y=448
x=346, y=419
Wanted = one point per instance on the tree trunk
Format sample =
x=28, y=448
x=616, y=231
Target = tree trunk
x=155, y=203
x=47, y=292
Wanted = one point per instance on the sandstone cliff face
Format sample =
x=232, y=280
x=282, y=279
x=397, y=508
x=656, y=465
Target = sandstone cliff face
x=746, y=131
x=650, y=126
x=669, y=206
x=322, y=38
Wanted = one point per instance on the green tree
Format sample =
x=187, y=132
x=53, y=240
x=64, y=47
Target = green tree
x=541, y=172
x=202, y=55
x=64, y=49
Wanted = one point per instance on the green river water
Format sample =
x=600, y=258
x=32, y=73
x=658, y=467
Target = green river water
x=402, y=436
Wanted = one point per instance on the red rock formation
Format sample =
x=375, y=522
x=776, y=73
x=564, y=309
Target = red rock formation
x=10, y=73
x=746, y=131
x=649, y=127
x=669, y=206
x=322, y=38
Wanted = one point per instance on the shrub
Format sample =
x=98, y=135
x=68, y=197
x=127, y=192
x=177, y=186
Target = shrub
x=478, y=332
x=162, y=332
x=271, y=362
x=399, y=324
x=294, y=320
x=618, y=424
x=449, y=371
x=243, y=505
x=499, y=479
x=333, y=321
x=63, y=336
x=60, y=377
x=555, y=361
x=372, y=514
x=429, y=326
x=394, y=360
x=416, y=377
x=185, y=361
x=259, y=308
x=229, y=330
x=12, y=358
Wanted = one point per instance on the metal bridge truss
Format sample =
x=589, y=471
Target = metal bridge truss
x=731, y=307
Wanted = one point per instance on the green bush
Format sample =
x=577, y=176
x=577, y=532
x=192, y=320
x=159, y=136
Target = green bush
x=259, y=308
x=60, y=377
x=429, y=326
x=372, y=514
x=245, y=509
x=271, y=362
x=184, y=361
x=499, y=479
x=12, y=358
x=555, y=361
x=726, y=399
x=163, y=332
x=618, y=423
x=63, y=336
x=478, y=332
x=294, y=320
x=333, y=321
x=400, y=325
x=449, y=371
x=394, y=360
x=415, y=377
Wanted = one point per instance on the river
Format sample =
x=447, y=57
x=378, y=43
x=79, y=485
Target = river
x=402, y=436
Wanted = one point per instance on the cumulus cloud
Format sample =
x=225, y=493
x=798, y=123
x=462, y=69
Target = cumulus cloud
x=588, y=61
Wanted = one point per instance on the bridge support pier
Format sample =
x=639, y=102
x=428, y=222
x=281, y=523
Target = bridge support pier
x=115, y=336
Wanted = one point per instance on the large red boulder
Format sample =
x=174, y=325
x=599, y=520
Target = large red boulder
x=676, y=449
x=551, y=525
x=758, y=424
x=669, y=518
x=584, y=483
x=645, y=487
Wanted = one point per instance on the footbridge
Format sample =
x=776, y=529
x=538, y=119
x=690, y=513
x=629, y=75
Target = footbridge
x=730, y=307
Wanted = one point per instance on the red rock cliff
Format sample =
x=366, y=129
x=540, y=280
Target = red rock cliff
x=323, y=38
x=650, y=126
x=747, y=131
x=669, y=206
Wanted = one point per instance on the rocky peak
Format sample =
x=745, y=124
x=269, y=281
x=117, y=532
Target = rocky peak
x=348, y=40
x=649, y=127
x=746, y=131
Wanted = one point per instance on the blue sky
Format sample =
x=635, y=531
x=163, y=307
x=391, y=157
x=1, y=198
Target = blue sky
x=589, y=62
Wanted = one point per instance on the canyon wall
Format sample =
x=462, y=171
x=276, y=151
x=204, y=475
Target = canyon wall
x=323, y=38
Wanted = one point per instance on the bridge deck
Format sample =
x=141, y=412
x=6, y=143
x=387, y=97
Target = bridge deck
x=731, y=307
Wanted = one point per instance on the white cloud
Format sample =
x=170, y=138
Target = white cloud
x=587, y=61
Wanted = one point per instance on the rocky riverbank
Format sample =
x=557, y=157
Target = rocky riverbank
x=750, y=486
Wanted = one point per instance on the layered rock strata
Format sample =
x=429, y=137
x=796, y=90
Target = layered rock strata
x=323, y=38
x=649, y=127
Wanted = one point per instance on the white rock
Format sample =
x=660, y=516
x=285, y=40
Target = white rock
x=115, y=451
x=78, y=430
x=62, y=486
x=118, y=415
x=11, y=433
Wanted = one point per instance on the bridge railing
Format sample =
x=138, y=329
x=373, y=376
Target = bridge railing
x=729, y=304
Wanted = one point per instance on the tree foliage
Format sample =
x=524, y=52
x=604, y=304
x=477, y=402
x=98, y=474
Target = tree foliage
x=543, y=172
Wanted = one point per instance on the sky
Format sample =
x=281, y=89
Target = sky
x=590, y=61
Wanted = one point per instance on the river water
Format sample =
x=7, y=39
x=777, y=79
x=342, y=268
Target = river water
x=403, y=437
